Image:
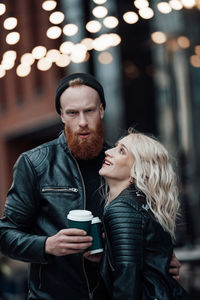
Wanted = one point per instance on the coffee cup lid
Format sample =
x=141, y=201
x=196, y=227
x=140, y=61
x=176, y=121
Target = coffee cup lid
x=95, y=220
x=80, y=215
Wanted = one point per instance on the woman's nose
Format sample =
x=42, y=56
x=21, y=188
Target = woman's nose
x=108, y=152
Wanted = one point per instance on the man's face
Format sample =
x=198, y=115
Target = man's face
x=82, y=113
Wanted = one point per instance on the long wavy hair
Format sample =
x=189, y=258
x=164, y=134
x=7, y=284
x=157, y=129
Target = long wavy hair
x=153, y=174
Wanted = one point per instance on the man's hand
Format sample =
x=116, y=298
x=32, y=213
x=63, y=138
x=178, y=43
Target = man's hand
x=93, y=257
x=68, y=241
x=174, y=267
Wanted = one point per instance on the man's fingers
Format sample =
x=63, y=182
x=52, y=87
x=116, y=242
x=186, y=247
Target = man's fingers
x=73, y=231
x=77, y=246
x=76, y=239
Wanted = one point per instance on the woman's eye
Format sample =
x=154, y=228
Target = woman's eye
x=121, y=151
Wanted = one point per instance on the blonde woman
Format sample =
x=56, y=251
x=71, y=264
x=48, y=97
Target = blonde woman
x=139, y=220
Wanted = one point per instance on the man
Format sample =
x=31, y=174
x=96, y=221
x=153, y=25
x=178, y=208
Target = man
x=48, y=182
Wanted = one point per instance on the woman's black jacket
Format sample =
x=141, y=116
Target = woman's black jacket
x=136, y=261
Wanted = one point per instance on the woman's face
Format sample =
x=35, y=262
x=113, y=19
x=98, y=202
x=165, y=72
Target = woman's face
x=118, y=162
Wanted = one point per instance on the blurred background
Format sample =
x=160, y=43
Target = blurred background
x=146, y=54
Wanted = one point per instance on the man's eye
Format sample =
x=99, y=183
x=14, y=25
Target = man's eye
x=71, y=113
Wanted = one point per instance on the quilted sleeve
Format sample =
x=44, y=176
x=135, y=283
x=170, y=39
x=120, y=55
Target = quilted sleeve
x=16, y=237
x=124, y=227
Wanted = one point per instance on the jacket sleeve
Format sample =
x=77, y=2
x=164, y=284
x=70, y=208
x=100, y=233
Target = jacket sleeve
x=125, y=240
x=17, y=237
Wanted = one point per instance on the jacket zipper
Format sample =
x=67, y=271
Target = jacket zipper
x=52, y=189
x=84, y=206
x=40, y=277
x=88, y=286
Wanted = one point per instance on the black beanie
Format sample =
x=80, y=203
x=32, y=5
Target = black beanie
x=87, y=79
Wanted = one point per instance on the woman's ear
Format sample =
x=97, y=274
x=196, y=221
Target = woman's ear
x=131, y=179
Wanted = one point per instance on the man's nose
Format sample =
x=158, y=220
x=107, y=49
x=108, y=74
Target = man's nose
x=82, y=120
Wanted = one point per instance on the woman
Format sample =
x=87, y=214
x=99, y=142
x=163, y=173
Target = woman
x=139, y=221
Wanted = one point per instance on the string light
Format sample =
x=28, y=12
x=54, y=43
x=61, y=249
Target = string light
x=110, y=22
x=93, y=26
x=130, y=17
x=2, y=9
x=159, y=37
x=164, y=7
x=49, y=5
x=44, y=64
x=105, y=58
x=79, y=52
x=56, y=17
x=183, y=42
x=141, y=4
x=12, y=38
x=39, y=52
x=176, y=4
x=99, y=1
x=63, y=60
x=54, y=32
x=70, y=29
x=53, y=55
x=100, y=11
x=188, y=3
x=27, y=59
x=10, y=23
x=2, y=72
x=66, y=47
x=88, y=42
x=23, y=70
x=146, y=13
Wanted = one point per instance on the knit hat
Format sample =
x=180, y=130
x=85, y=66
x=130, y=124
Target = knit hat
x=87, y=79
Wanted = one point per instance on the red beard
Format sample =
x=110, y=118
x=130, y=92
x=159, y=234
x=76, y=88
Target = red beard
x=85, y=148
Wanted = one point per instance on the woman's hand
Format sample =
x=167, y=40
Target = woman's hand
x=174, y=267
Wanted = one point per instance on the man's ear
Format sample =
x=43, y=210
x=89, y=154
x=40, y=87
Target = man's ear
x=61, y=115
x=101, y=111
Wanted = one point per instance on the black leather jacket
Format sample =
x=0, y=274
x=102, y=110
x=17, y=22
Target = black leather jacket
x=47, y=184
x=136, y=261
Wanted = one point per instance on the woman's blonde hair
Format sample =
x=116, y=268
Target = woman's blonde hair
x=153, y=175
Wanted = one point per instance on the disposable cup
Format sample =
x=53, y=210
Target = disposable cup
x=95, y=232
x=80, y=219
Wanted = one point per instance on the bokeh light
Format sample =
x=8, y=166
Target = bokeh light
x=159, y=37
x=93, y=26
x=44, y=64
x=54, y=32
x=39, y=52
x=130, y=17
x=100, y=11
x=49, y=5
x=10, y=23
x=56, y=17
x=105, y=58
x=164, y=7
x=12, y=38
x=183, y=42
x=23, y=70
x=70, y=29
x=110, y=22
x=2, y=9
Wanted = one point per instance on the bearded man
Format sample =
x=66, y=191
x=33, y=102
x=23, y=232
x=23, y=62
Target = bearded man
x=48, y=182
